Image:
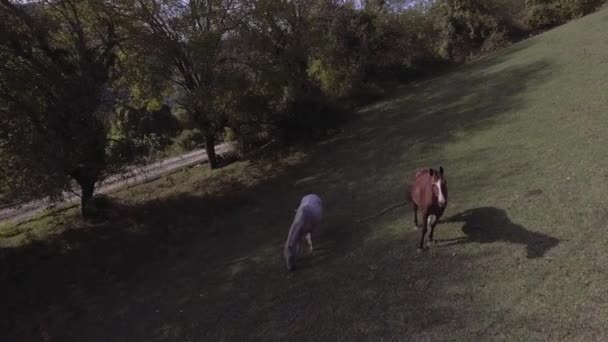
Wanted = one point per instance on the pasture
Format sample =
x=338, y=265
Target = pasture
x=197, y=256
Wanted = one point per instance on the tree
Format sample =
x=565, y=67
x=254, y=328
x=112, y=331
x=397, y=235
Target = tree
x=187, y=44
x=56, y=64
x=466, y=25
x=281, y=36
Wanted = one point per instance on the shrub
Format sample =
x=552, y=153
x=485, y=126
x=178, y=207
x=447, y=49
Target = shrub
x=544, y=14
x=189, y=140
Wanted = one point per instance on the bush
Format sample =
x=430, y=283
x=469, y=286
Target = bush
x=335, y=81
x=494, y=42
x=469, y=27
x=544, y=14
x=140, y=122
x=189, y=140
x=541, y=16
x=229, y=135
x=125, y=150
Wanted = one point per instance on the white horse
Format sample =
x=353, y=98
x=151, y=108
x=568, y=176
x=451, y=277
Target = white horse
x=308, y=217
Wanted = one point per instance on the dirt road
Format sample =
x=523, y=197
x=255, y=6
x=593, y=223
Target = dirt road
x=133, y=175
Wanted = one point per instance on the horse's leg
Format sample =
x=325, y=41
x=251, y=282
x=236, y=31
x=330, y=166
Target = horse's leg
x=423, y=235
x=431, y=222
x=309, y=240
x=416, y=225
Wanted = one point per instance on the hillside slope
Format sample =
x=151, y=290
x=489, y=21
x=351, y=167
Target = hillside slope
x=522, y=255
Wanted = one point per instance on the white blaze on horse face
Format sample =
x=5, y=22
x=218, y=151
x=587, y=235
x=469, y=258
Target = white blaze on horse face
x=440, y=196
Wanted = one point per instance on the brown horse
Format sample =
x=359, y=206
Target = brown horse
x=429, y=195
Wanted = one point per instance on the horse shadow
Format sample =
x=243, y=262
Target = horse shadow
x=489, y=224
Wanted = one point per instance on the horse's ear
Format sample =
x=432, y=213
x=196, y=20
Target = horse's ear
x=431, y=172
x=441, y=170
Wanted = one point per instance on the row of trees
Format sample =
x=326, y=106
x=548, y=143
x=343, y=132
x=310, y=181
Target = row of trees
x=84, y=82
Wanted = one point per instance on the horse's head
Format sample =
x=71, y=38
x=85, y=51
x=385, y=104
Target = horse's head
x=440, y=186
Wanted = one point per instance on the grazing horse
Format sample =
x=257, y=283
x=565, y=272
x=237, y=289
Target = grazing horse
x=308, y=217
x=429, y=195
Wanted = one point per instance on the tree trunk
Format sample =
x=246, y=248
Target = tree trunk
x=87, y=190
x=86, y=181
x=210, y=149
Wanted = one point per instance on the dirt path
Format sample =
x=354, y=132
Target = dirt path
x=133, y=175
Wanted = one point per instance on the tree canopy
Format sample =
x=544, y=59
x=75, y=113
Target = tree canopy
x=56, y=65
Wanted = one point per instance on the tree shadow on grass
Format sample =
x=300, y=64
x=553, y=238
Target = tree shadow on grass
x=405, y=133
x=488, y=225
x=466, y=102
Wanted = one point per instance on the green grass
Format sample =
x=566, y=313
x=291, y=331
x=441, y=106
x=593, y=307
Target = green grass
x=522, y=251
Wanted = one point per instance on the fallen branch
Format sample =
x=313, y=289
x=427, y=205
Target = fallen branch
x=260, y=150
x=400, y=204
x=237, y=261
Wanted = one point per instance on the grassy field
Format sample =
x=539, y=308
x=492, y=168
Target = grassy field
x=196, y=256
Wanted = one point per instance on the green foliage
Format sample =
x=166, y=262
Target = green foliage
x=189, y=140
x=333, y=80
x=56, y=64
x=189, y=45
x=229, y=135
x=468, y=26
x=281, y=68
x=542, y=14
x=138, y=123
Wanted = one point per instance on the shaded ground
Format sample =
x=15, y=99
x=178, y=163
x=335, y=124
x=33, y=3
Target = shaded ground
x=23, y=211
x=522, y=254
